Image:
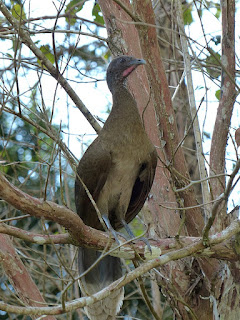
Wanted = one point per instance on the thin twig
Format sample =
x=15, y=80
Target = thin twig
x=224, y=196
x=196, y=127
x=191, y=249
x=26, y=39
x=131, y=15
x=66, y=15
x=145, y=295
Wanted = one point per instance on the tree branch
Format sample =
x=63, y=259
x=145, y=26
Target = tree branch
x=226, y=103
x=190, y=250
x=81, y=234
x=35, y=237
x=26, y=39
x=19, y=276
x=223, y=197
x=50, y=133
x=193, y=110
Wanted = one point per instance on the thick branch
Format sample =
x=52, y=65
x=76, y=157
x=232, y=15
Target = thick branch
x=191, y=249
x=35, y=237
x=223, y=251
x=84, y=235
x=81, y=234
x=226, y=103
x=87, y=236
x=45, y=209
x=19, y=277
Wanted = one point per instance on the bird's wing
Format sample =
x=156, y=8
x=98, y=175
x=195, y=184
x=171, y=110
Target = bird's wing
x=141, y=187
x=93, y=169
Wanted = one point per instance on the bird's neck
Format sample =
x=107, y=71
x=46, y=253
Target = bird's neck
x=124, y=122
x=123, y=101
x=124, y=114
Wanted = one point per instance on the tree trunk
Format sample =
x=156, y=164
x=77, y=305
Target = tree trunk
x=193, y=281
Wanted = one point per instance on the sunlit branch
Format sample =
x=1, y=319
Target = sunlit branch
x=192, y=249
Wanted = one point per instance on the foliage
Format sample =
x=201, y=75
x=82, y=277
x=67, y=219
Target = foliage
x=96, y=12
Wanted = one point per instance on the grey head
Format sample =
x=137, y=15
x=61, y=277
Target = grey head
x=119, y=69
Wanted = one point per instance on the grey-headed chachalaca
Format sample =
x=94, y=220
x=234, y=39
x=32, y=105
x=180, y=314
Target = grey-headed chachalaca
x=118, y=169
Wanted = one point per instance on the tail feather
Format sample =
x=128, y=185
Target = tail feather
x=105, y=272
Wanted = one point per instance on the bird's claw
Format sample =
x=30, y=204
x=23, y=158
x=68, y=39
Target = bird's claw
x=129, y=231
x=110, y=228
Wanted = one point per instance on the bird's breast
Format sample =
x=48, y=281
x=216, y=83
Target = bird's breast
x=119, y=184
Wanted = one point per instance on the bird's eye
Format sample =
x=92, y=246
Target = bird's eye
x=122, y=60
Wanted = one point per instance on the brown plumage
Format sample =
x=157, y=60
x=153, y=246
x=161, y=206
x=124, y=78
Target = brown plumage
x=118, y=169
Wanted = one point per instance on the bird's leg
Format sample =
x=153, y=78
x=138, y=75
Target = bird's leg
x=110, y=228
x=127, y=228
x=129, y=231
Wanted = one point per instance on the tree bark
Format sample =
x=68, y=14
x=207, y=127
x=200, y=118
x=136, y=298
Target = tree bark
x=19, y=277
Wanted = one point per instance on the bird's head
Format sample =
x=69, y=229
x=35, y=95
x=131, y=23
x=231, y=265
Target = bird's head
x=119, y=69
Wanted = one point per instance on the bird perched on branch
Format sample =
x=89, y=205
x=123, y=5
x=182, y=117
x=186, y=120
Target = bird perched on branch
x=118, y=170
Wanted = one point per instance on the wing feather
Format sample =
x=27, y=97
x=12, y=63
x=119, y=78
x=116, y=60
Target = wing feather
x=141, y=189
x=93, y=169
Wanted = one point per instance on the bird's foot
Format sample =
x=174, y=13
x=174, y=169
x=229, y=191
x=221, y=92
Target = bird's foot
x=110, y=228
x=131, y=234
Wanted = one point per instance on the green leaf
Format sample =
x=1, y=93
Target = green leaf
x=46, y=51
x=72, y=8
x=218, y=10
x=187, y=16
x=218, y=13
x=212, y=64
x=218, y=94
x=107, y=55
x=96, y=12
x=18, y=12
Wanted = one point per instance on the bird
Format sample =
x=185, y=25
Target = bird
x=118, y=170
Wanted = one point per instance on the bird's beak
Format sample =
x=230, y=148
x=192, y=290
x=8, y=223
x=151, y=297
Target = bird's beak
x=132, y=65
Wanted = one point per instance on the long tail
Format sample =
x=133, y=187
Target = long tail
x=105, y=272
